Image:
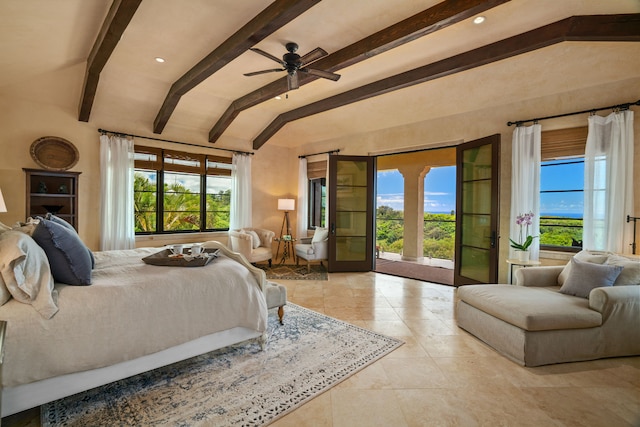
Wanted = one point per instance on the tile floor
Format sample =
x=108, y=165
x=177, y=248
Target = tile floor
x=442, y=375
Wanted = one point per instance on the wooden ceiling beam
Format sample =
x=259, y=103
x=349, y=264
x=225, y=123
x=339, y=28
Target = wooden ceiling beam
x=428, y=21
x=275, y=16
x=115, y=23
x=577, y=28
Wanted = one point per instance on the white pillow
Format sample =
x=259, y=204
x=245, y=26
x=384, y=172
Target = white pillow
x=255, y=239
x=320, y=234
x=25, y=271
x=630, y=275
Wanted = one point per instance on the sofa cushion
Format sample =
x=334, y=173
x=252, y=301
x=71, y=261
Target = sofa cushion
x=531, y=308
x=585, y=276
x=320, y=234
x=583, y=255
x=630, y=275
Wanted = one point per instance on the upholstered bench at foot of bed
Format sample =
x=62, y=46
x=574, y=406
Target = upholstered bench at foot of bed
x=276, y=297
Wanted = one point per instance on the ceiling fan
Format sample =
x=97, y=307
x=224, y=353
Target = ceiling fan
x=292, y=63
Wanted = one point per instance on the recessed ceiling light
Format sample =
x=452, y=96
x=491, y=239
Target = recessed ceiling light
x=478, y=19
x=158, y=59
x=278, y=97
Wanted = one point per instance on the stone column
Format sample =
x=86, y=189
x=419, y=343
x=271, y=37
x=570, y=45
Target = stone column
x=413, y=210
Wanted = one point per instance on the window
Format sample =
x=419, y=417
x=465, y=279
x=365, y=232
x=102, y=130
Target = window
x=180, y=192
x=562, y=189
x=317, y=202
x=316, y=174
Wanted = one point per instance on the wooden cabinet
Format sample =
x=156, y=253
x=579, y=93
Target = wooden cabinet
x=55, y=192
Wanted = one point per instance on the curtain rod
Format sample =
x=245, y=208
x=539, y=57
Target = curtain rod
x=103, y=131
x=593, y=110
x=304, y=156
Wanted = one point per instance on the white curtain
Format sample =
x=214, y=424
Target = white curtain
x=525, y=185
x=303, y=199
x=326, y=210
x=116, y=173
x=608, y=182
x=240, y=216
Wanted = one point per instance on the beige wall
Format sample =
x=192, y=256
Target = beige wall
x=47, y=105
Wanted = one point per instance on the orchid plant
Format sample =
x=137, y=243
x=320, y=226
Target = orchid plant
x=523, y=221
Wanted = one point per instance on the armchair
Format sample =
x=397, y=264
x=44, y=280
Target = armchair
x=254, y=243
x=313, y=249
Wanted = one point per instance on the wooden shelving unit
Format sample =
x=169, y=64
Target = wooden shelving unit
x=55, y=192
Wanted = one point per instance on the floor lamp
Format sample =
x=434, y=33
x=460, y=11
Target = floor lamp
x=286, y=205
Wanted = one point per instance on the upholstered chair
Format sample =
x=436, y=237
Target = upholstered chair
x=254, y=243
x=315, y=248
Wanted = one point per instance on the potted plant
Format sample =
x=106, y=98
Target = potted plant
x=525, y=239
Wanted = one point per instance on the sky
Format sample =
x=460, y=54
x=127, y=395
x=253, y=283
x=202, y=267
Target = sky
x=440, y=189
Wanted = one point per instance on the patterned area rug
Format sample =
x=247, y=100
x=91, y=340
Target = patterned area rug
x=237, y=386
x=294, y=272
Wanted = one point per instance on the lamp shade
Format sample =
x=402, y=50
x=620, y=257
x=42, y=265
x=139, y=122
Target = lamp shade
x=3, y=207
x=286, y=204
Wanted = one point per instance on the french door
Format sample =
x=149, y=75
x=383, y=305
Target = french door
x=477, y=169
x=351, y=213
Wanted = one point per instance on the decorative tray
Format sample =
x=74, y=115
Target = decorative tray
x=54, y=153
x=165, y=258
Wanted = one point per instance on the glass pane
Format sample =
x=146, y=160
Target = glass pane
x=476, y=163
x=476, y=197
x=476, y=230
x=145, y=200
x=351, y=199
x=351, y=248
x=562, y=175
x=351, y=223
x=180, y=221
x=351, y=173
x=218, y=202
x=181, y=183
x=474, y=264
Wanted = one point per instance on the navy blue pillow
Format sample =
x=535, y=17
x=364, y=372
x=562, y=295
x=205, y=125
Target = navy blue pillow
x=69, y=258
x=58, y=220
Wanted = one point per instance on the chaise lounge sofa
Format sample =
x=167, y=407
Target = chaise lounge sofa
x=557, y=314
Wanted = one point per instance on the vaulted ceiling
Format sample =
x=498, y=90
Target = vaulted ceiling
x=400, y=61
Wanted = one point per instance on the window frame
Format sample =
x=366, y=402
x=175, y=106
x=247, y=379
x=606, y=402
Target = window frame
x=314, y=208
x=161, y=161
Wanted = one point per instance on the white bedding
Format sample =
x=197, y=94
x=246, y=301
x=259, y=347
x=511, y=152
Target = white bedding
x=132, y=309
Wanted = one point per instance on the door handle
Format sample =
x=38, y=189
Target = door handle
x=492, y=241
x=333, y=228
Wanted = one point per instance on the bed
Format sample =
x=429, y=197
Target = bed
x=133, y=318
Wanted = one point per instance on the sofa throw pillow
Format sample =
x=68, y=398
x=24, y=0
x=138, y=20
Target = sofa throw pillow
x=320, y=234
x=65, y=224
x=630, y=274
x=69, y=258
x=585, y=276
x=24, y=269
x=255, y=238
x=583, y=255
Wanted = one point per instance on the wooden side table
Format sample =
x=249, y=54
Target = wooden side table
x=521, y=264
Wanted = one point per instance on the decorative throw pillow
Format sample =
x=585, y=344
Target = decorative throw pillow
x=583, y=255
x=255, y=238
x=585, y=276
x=64, y=223
x=630, y=274
x=25, y=271
x=320, y=234
x=69, y=258
x=5, y=295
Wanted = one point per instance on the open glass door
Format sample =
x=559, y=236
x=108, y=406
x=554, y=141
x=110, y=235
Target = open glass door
x=477, y=211
x=351, y=213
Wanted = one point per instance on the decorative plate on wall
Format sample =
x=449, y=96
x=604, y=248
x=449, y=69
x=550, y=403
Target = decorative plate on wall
x=54, y=153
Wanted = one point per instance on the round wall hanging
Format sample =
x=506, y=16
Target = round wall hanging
x=54, y=153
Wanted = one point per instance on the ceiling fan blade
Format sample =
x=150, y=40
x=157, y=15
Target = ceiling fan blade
x=255, y=73
x=314, y=55
x=268, y=55
x=292, y=81
x=320, y=73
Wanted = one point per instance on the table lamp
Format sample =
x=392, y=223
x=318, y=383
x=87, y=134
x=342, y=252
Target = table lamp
x=286, y=205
